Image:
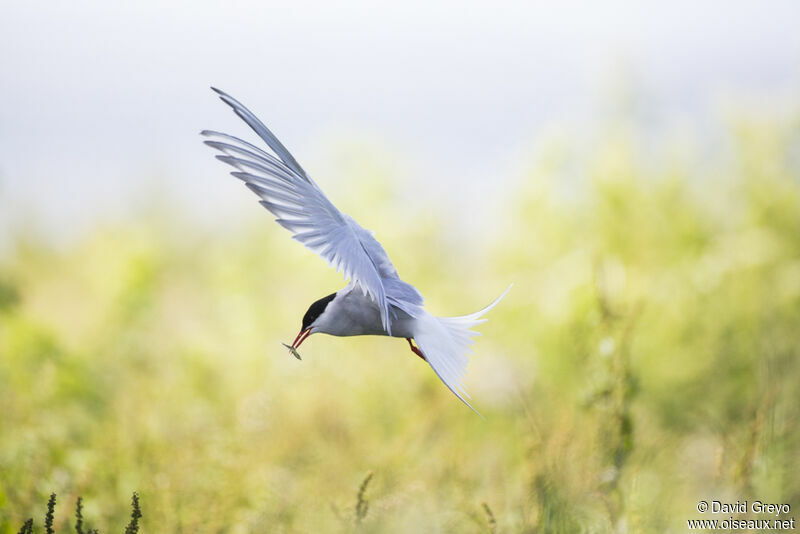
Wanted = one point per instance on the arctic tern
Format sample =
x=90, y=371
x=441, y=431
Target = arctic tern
x=375, y=301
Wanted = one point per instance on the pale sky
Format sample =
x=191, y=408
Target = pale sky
x=100, y=100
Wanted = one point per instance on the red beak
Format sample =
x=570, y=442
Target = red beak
x=301, y=337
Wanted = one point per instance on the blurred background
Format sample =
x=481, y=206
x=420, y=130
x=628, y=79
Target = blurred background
x=633, y=169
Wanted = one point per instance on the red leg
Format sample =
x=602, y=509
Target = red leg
x=415, y=350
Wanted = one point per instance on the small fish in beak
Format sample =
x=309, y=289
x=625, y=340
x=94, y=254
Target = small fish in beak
x=292, y=350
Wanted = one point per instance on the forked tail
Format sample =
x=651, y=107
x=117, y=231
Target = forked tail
x=445, y=342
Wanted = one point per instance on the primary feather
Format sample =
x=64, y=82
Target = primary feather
x=302, y=208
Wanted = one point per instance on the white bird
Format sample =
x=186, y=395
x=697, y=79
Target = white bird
x=375, y=301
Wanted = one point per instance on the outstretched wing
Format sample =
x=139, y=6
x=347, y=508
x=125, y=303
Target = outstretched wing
x=302, y=208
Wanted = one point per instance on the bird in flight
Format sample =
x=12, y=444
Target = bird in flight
x=376, y=301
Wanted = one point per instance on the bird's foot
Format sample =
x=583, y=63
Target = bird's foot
x=416, y=350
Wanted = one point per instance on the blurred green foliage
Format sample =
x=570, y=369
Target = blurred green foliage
x=647, y=358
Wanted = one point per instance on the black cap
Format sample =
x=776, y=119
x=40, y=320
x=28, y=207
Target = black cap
x=316, y=309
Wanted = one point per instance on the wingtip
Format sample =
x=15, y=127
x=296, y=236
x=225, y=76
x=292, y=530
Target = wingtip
x=228, y=99
x=230, y=160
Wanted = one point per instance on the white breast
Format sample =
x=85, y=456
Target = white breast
x=351, y=313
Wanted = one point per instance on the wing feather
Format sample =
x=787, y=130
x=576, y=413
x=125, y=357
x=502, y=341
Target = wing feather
x=263, y=132
x=302, y=208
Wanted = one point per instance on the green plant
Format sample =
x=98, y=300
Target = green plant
x=132, y=528
x=362, y=504
x=491, y=522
